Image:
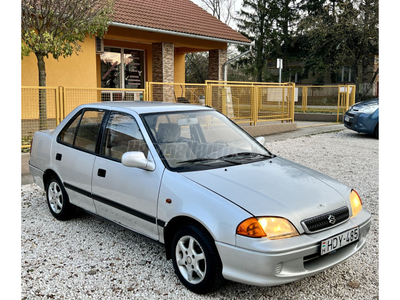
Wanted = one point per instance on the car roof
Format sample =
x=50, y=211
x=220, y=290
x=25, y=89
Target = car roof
x=142, y=107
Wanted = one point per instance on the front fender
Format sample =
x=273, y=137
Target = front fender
x=191, y=200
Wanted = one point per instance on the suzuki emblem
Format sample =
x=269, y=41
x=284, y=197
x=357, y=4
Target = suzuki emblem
x=332, y=219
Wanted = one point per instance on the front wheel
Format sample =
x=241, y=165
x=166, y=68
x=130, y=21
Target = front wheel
x=195, y=259
x=57, y=200
x=376, y=131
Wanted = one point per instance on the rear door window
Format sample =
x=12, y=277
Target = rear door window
x=67, y=135
x=83, y=131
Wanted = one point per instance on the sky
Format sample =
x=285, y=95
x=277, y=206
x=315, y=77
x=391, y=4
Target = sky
x=237, y=4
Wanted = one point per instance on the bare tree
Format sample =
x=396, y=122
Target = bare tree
x=221, y=9
x=197, y=63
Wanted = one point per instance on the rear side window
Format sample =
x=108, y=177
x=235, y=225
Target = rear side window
x=67, y=135
x=83, y=131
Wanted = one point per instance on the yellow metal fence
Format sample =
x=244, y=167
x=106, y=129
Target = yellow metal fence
x=243, y=102
x=176, y=92
x=334, y=99
x=46, y=107
x=73, y=97
x=40, y=109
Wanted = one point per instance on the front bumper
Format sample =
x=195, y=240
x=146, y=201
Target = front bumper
x=359, y=122
x=287, y=260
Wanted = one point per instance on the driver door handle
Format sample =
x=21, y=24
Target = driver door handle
x=101, y=173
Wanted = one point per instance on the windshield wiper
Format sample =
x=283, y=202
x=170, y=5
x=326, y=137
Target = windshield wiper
x=205, y=160
x=230, y=158
x=246, y=155
x=202, y=159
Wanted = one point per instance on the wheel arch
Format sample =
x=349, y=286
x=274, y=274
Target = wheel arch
x=174, y=225
x=49, y=173
x=376, y=130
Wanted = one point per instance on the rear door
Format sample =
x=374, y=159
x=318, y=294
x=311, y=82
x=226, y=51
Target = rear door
x=73, y=156
x=125, y=195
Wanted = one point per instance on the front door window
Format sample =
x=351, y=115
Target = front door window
x=122, y=134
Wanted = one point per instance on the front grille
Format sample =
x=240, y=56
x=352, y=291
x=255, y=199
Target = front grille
x=350, y=116
x=326, y=220
x=347, y=123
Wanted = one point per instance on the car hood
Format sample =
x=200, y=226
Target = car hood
x=275, y=187
x=366, y=103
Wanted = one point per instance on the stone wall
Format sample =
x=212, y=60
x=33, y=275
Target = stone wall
x=216, y=60
x=163, y=71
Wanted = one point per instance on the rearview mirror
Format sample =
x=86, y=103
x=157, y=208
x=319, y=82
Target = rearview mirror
x=188, y=121
x=136, y=159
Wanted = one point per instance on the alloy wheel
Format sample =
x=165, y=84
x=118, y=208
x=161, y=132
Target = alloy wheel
x=55, y=197
x=190, y=259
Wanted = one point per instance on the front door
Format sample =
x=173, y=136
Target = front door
x=125, y=195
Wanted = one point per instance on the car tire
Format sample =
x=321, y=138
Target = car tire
x=376, y=131
x=195, y=259
x=57, y=200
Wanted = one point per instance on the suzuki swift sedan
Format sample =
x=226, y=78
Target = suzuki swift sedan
x=188, y=177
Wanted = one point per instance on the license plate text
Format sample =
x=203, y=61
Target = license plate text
x=339, y=241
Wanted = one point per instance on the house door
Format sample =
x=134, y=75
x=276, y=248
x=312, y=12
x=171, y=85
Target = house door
x=122, y=68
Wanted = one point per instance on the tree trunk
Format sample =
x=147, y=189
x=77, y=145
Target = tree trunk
x=356, y=80
x=259, y=59
x=42, y=92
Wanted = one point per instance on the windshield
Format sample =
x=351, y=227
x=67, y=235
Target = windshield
x=204, y=139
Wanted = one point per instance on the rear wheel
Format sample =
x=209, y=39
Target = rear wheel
x=57, y=200
x=196, y=260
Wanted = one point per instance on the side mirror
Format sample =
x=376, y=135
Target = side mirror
x=261, y=140
x=136, y=159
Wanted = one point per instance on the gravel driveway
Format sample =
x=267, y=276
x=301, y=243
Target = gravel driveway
x=89, y=258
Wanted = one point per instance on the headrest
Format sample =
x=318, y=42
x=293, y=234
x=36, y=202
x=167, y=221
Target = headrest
x=168, y=132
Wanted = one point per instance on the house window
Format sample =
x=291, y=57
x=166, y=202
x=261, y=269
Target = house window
x=129, y=75
x=345, y=75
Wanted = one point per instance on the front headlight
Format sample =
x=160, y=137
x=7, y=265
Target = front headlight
x=368, y=109
x=271, y=227
x=356, y=203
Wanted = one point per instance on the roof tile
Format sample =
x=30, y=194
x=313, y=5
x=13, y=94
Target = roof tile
x=181, y=16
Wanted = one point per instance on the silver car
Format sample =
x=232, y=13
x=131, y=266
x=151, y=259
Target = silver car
x=188, y=177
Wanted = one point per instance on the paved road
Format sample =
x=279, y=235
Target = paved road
x=305, y=128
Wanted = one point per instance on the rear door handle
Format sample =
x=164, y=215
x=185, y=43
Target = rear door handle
x=101, y=173
x=58, y=156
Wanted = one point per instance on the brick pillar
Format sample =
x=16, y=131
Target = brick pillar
x=163, y=71
x=216, y=60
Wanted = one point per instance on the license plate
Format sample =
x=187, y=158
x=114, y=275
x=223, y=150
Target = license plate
x=339, y=241
x=347, y=119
